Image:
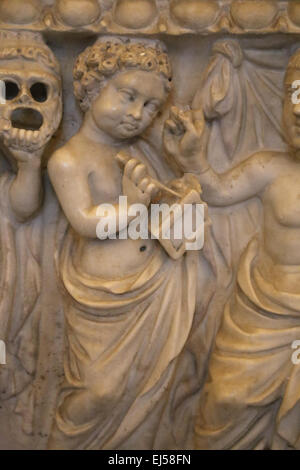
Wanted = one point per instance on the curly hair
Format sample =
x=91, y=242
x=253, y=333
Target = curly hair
x=29, y=46
x=109, y=56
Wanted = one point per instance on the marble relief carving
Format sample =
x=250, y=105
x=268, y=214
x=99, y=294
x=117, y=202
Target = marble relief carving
x=251, y=395
x=29, y=118
x=153, y=16
x=124, y=342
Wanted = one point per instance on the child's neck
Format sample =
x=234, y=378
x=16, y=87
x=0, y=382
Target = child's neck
x=92, y=132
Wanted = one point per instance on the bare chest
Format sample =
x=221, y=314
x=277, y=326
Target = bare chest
x=105, y=183
x=103, y=174
x=283, y=198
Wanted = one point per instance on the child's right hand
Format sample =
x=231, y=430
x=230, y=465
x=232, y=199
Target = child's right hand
x=185, y=139
x=137, y=184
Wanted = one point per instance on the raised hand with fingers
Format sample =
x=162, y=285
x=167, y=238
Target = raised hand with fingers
x=184, y=139
x=137, y=185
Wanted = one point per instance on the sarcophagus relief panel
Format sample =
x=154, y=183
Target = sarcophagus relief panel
x=149, y=224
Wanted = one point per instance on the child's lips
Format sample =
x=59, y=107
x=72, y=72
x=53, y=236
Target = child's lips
x=130, y=126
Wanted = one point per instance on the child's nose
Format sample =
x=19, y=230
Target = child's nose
x=136, y=110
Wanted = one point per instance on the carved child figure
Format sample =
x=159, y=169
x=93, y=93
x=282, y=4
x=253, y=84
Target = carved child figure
x=252, y=395
x=28, y=119
x=124, y=326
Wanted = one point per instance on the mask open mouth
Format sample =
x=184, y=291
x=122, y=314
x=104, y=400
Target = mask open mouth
x=28, y=119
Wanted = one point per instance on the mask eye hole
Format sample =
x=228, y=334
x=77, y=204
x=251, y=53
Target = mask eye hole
x=11, y=90
x=39, y=92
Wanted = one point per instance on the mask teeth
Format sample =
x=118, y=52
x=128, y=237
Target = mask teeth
x=24, y=138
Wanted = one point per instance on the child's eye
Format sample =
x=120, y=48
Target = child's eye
x=128, y=95
x=151, y=107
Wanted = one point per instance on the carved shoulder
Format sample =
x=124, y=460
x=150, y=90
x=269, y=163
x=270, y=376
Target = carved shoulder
x=62, y=163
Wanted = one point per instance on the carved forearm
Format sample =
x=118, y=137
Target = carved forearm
x=26, y=191
x=216, y=188
x=90, y=223
x=243, y=182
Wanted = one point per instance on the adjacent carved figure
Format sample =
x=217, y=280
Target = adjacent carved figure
x=29, y=117
x=128, y=305
x=251, y=398
x=116, y=337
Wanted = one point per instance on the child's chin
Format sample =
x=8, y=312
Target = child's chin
x=129, y=134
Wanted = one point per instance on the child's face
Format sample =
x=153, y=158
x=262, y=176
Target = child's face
x=129, y=102
x=291, y=111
